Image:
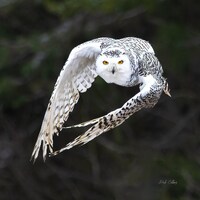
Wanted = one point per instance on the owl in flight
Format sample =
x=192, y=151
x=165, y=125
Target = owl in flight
x=126, y=62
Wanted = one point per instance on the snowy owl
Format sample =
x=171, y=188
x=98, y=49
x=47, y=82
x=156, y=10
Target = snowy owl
x=126, y=62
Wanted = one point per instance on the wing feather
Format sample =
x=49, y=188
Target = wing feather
x=147, y=97
x=76, y=76
x=153, y=83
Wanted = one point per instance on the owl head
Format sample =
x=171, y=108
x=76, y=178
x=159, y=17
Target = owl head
x=113, y=65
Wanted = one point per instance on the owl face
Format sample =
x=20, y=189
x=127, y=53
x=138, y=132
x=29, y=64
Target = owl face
x=113, y=66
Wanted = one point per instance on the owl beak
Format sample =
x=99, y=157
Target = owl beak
x=113, y=69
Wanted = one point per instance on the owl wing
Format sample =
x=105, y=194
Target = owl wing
x=76, y=76
x=152, y=86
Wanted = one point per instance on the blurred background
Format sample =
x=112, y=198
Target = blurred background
x=154, y=155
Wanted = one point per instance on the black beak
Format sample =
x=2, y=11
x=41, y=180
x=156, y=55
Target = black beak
x=113, y=70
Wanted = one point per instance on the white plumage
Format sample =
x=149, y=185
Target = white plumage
x=127, y=62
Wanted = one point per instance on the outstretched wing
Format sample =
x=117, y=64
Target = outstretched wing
x=147, y=97
x=152, y=86
x=76, y=76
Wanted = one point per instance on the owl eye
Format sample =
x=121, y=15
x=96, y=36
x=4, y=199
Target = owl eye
x=121, y=62
x=105, y=62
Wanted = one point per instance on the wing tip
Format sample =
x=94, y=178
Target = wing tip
x=51, y=154
x=40, y=142
x=35, y=154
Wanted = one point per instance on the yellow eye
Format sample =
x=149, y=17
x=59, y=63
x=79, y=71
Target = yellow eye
x=105, y=62
x=121, y=62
